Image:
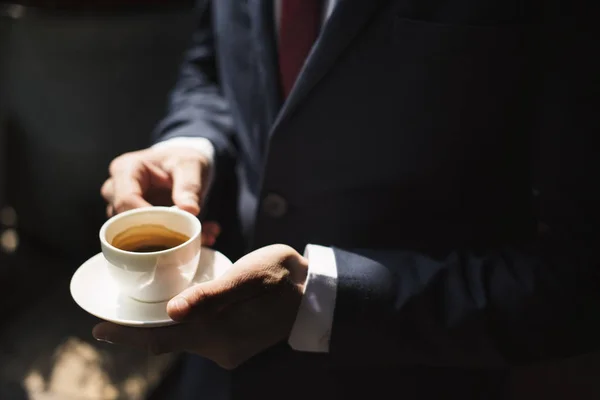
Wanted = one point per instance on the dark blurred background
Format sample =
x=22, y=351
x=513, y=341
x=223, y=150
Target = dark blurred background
x=80, y=83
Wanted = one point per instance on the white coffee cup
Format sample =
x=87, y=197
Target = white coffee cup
x=155, y=276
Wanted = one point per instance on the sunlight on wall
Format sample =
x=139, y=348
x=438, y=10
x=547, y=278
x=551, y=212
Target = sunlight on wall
x=77, y=372
x=9, y=238
x=80, y=371
x=9, y=241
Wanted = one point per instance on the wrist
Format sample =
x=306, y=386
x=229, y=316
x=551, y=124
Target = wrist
x=199, y=145
x=301, y=274
x=297, y=266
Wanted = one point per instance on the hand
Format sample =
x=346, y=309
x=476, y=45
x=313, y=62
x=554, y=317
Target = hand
x=232, y=318
x=157, y=176
x=210, y=233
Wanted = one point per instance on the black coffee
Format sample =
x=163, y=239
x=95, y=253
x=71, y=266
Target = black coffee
x=148, y=239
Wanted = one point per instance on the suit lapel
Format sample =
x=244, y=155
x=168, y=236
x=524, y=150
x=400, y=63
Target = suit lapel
x=340, y=30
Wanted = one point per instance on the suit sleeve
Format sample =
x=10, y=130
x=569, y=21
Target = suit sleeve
x=506, y=305
x=197, y=106
x=511, y=306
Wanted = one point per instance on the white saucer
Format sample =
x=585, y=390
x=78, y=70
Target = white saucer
x=94, y=290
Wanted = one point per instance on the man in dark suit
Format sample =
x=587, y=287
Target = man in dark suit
x=433, y=162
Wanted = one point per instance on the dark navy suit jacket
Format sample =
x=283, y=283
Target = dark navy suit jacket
x=444, y=149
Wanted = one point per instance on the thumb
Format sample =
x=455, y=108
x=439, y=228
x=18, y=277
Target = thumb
x=204, y=298
x=208, y=298
x=187, y=186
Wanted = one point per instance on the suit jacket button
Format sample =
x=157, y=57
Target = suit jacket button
x=274, y=205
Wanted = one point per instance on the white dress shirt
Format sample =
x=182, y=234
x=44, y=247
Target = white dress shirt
x=312, y=328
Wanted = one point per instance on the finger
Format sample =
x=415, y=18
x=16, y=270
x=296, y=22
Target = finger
x=201, y=300
x=159, y=178
x=210, y=233
x=107, y=190
x=129, y=184
x=208, y=240
x=187, y=185
x=155, y=340
x=206, y=299
x=211, y=228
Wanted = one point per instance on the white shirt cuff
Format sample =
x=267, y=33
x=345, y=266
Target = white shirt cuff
x=201, y=144
x=312, y=329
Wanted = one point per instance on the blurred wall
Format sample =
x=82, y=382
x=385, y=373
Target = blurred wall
x=80, y=89
x=4, y=29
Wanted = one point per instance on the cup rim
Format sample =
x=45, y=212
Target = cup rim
x=106, y=224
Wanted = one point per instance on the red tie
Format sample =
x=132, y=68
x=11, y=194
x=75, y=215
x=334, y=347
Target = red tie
x=299, y=25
